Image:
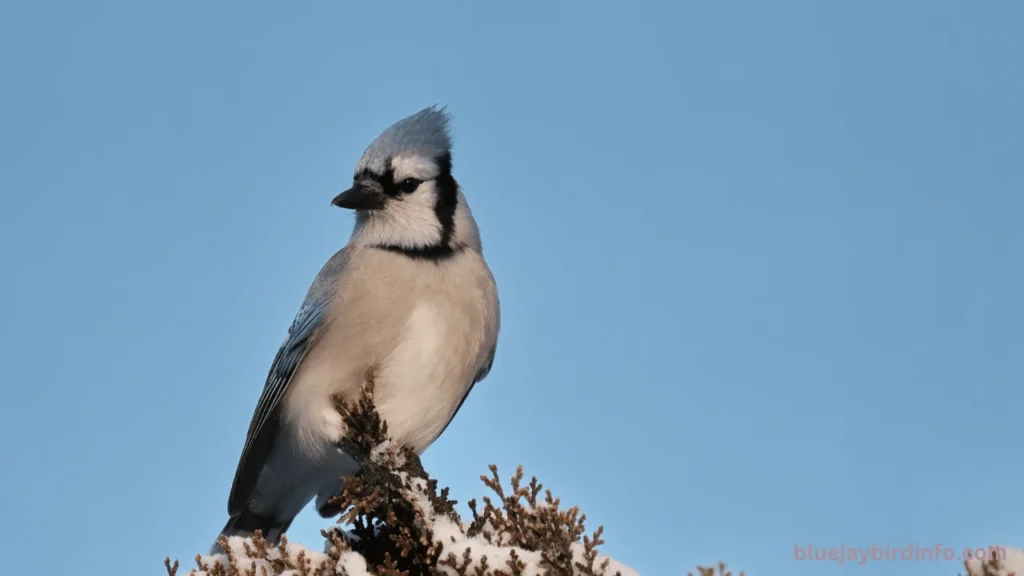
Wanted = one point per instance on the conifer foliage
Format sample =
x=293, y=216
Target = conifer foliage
x=397, y=522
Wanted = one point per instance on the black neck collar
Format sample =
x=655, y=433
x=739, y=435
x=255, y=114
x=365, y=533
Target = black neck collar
x=432, y=253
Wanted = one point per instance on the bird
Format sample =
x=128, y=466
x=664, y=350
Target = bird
x=409, y=299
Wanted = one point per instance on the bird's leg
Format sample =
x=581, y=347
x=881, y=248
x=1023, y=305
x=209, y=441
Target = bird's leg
x=370, y=471
x=348, y=447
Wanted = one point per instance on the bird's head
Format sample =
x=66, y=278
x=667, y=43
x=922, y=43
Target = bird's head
x=405, y=197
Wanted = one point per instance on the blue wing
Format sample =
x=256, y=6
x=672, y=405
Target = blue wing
x=263, y=427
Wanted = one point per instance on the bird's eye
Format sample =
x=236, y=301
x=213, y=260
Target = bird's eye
x=409, y=185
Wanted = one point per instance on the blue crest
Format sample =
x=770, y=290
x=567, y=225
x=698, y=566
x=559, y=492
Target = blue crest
x=424, y=133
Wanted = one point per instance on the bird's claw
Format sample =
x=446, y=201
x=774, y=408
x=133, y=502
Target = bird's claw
x=367, y=469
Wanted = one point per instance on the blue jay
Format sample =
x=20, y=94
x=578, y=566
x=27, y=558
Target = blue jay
x=409, y=299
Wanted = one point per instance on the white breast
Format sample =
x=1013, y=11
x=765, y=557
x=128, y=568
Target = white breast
x=420, y=384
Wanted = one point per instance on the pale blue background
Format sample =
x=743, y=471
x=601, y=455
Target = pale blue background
x=761, y=263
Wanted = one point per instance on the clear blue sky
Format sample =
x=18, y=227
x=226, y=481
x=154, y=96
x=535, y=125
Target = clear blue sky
x=761, y=263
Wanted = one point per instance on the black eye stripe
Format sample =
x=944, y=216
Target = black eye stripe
x=387, y=181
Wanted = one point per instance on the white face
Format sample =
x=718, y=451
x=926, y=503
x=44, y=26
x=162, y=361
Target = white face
x=410, y=216
x=411, y=213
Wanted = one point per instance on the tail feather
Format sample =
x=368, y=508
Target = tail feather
x=247, y=523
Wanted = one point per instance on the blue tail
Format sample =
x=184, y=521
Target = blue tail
x=247, y=523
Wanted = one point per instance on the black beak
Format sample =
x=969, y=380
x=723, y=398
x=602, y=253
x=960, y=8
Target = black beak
x=359, y=198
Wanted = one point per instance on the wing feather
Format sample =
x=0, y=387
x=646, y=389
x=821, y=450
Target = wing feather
x=263, y=427
x=302, y=336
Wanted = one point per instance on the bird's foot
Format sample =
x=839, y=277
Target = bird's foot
x=371, y=472
x=348, y=447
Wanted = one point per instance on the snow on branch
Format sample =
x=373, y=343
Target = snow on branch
x=400, y=524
